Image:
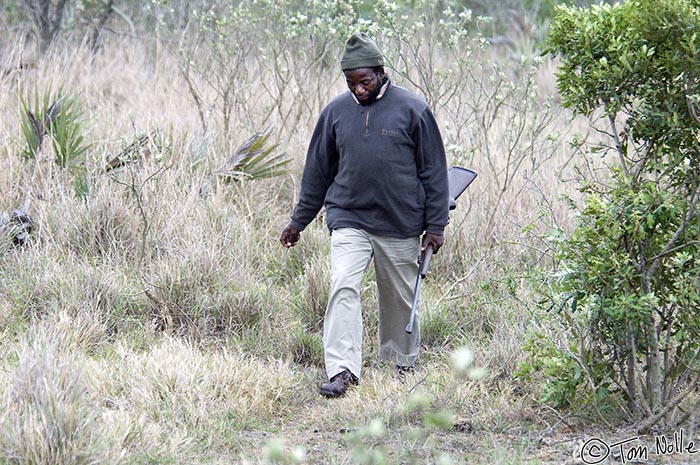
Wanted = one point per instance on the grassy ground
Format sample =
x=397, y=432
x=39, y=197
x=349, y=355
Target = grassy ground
x=158, y=320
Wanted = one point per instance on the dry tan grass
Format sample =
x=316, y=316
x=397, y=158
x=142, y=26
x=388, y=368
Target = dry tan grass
x=164, y=325
x=49, y=415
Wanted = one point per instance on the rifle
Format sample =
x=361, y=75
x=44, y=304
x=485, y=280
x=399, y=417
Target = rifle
x=459, y=180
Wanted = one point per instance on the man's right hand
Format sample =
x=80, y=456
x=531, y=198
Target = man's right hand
x=290, y=237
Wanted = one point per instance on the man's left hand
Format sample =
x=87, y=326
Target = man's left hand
x=436, y=240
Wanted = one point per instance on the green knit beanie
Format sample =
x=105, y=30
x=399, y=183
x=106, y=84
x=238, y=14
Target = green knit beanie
x=361, y=52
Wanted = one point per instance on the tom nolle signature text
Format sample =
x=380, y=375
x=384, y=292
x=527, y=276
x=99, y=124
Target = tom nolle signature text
x=596, y=450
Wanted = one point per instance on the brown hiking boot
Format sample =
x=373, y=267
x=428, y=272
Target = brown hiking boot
x=339, y=384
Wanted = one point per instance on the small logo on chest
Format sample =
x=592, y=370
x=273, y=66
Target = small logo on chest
x=390, y=133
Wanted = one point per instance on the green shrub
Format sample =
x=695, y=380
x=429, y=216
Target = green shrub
x=626, y=285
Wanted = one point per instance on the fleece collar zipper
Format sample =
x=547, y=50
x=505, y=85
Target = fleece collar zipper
x=381, y=93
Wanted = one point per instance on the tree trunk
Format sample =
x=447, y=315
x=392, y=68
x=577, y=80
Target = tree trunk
x=46, y=21
x=654, y=365
x=654, y=353
x=105, y=13
x=632, y=389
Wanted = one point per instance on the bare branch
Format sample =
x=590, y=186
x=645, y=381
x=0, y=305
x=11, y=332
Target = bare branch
x=647, y=424
x=692, y=106
x=618, y=144
x=671, y=244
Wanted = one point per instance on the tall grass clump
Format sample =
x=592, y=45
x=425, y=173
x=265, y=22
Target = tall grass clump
x=49, y=415
x=103, y=228
x=188, y=299
x=210, y=396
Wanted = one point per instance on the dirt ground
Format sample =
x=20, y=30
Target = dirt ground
x=564, y=447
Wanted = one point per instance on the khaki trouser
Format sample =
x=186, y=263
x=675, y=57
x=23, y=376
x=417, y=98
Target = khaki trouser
x=396, y=267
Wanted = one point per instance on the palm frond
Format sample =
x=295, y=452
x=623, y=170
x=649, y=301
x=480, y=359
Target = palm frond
x=253, y=159
x=58, y=116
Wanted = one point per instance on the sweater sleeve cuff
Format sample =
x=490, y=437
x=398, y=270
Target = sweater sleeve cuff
x=296, y=225
x=433, y=229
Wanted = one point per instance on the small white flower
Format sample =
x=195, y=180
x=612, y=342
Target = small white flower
x=298, y=454
x=477, y=373
x=461, y=359
x=375, y=428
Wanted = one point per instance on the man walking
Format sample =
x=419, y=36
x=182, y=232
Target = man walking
x=376, y=162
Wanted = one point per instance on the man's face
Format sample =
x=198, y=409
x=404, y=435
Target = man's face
x=364, y=83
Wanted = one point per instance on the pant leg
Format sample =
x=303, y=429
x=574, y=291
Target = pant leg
x=351, y=253
x=396, y=265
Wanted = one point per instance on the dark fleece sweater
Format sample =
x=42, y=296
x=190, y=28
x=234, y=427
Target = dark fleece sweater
x=380, y=167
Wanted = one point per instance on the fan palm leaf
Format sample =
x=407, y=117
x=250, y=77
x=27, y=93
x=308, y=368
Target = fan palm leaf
x=254, y=159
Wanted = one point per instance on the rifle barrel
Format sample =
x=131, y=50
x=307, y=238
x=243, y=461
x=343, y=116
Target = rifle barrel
x=424, y=265
x=414, y=308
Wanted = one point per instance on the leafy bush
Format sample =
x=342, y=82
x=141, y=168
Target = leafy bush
x=627, y=280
